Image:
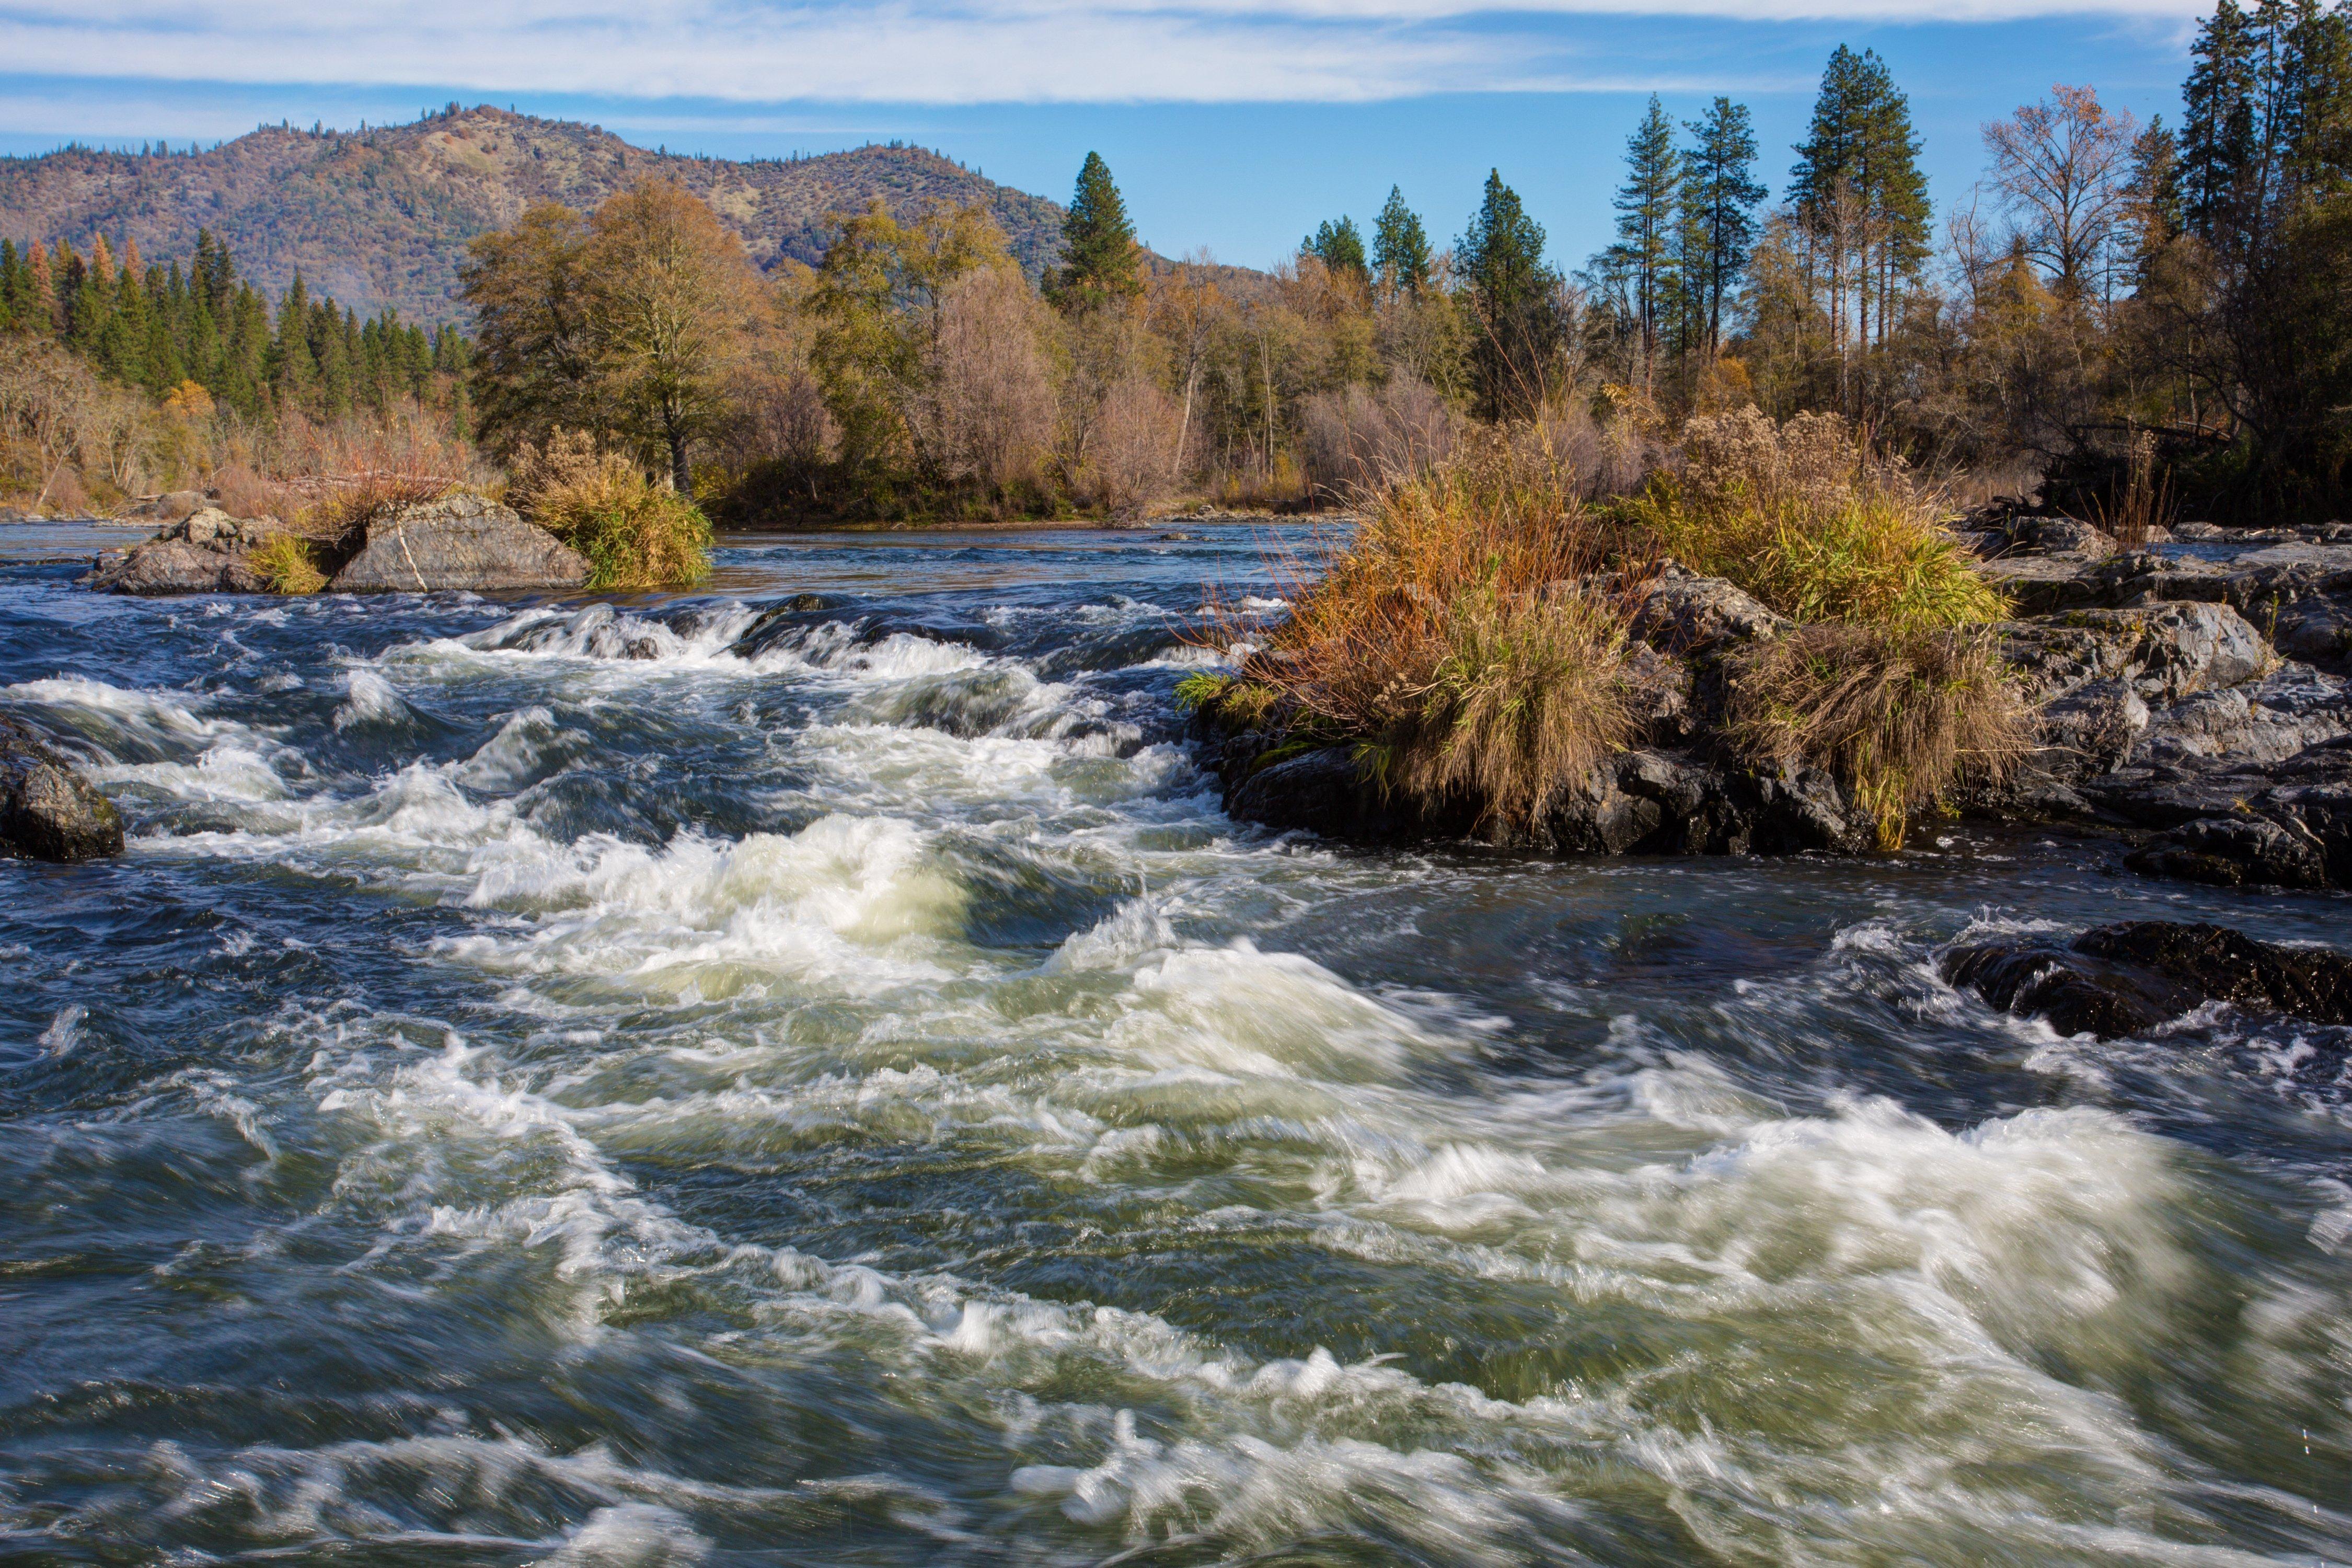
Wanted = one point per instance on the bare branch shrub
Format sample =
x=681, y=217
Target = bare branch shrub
x=985, y=413
x=1359, y=438
x=1133, y=444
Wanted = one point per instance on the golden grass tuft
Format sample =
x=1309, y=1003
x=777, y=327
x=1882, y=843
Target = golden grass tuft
x=1900, y=714
x=1806, y=518
x=288, y=563
x=635, y=534
x=1524, y=695
x=1456, y=642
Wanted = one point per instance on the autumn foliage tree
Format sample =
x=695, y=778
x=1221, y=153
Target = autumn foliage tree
x=628, y=324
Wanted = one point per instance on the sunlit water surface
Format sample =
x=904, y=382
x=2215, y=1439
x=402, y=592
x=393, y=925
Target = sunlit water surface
x=544, y=1085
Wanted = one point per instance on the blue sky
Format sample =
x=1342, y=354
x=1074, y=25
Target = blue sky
x=1229, y=126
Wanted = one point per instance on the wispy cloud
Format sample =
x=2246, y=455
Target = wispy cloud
x=938, y=51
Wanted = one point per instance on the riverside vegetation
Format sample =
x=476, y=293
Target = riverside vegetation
x=2118, y=314
x=1481, y=644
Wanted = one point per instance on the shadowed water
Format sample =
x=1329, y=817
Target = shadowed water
x=704, y=1079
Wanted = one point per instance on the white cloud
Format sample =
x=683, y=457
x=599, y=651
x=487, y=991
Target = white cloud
x=939, y=51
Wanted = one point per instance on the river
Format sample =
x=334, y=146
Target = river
x=562, y=1083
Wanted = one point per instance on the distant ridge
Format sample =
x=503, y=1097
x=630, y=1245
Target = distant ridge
x=381, y=217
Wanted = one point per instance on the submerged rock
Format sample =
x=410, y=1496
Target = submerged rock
x=2127, y=979
x=460, y=541
x=48, y=810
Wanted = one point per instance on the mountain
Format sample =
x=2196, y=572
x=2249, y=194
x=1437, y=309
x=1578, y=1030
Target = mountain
x=381, y=217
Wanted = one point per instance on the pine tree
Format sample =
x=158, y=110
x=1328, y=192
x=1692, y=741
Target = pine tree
x=1719, y=195
x=291, y=368
x=1859, y=196
x=16, y=286
x=1401, y=255
x=2218, y=130
x=1644, y=252
x=1101, y=261
x=1513, y=295
x=122, y=349
x=2155, y=216
x=1339, y=246
x=2318, y=143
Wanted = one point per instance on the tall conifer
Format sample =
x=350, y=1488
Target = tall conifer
x=1401, y=254
x=1101, y=261
x=1644, y=252
x=1720, y=197
x=1514, y=297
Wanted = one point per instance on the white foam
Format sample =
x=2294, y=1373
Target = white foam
x=368, y=698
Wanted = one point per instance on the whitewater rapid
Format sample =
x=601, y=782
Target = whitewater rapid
x=808, y=1073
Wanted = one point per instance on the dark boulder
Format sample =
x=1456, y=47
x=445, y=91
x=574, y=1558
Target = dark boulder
x=460, y=541
x=2127, y=979
x=2076, y=996
x=2313, y=982
x=1660, y=801
x=1679, y=612
x=48, y=810
x=1325, y=791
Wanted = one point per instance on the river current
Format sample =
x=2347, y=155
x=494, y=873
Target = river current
x=753, y=1077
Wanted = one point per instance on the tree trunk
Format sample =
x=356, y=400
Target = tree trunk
x=681, y=473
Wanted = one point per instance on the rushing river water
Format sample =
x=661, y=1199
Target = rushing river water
x=542, y=1086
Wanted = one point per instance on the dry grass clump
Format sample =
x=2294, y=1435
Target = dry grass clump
x=288, y=563
x=2145, y=505
x=1524, y=695
x=635, y=534
x=339, y=518
x=1806, y=518
x=1900, y=714
x=1455, y=643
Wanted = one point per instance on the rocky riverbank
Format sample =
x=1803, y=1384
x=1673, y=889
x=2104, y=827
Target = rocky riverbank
x=2193, y=700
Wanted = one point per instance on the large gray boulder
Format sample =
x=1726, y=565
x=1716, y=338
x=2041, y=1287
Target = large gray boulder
x=48, y=810
x=1680, y=612
x=459, y=542
x=2162, y=651
x=206, y=552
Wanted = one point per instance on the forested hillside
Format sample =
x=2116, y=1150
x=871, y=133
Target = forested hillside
x=381, y=217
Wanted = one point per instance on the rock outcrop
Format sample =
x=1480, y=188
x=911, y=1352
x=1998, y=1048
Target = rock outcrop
x=461, y=541
x=1675, y=796
x=48, y=810
x=2176, y=711
x=206, y=551
x=2127, y=979
x=2295, y=584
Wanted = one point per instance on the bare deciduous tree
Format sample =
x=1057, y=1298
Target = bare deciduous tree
x=2063, y=169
